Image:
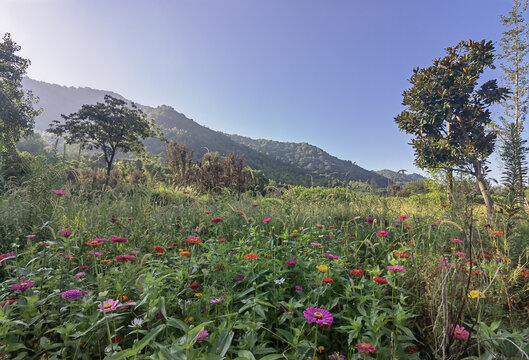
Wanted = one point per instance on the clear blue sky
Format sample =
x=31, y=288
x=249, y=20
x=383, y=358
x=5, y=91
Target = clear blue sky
x=330, y=73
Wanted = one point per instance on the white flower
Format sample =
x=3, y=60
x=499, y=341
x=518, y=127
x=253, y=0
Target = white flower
x=136, y=323
x=279, y=281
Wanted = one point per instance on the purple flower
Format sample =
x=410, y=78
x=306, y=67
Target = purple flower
x=331, y=256
x=319, y=316
x=159, y=315
x=72, y=294
x=79, y=275
x=23, y=285
x=109, y=306
x=65, y=232
x=291, y=262
x=238, y=278
x=456, y=240
x=298, y=288
x=266, y=220
x=59, y=192
x=370, y=220
x=337, y=356
x=396, y=268
x=315, y=244
x=96, y=253
x=217, y=300
x=116, y=239
x=31, y=236
x=203, y=335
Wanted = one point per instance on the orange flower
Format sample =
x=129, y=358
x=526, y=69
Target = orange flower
x=497, y=233
x=251, y=256
x=160, y=253
x=93, y=243
x=185, y=253
x=106, y=261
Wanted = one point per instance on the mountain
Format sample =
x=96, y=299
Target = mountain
x=397, y=176
x=290, y=163
x=312, y=159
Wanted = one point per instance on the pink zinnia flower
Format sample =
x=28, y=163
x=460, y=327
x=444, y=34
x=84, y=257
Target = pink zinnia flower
x=461, y=254
x=319, y=316
x=331, y=256
x=397, y=268
x=31, y=236
x=72, y=294
x=382, y=233
x=459, y=332
x=315, y=244
x=65, y=232
x=109, y=306
x=23, y=285
x=403, y=217
x=125, y=258
x=203, y=335
x=116, y=239
x=366, y=348
x=96, y=253
x=79, y=275
x=7, y=256
x=291, y=262
x=59, y=192
x=266, y=220
x=456, y=240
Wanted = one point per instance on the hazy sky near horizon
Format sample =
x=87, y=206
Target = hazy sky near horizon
x=330, y=73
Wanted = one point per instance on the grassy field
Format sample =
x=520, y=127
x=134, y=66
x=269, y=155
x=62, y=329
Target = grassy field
x=153, y=272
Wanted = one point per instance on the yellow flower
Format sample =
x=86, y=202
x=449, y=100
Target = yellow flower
x=199, y=294
x=189, y=320
x=321, y=348
x=322, y=268
x=474, y=294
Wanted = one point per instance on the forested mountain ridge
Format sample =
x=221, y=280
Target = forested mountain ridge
x=290, y=163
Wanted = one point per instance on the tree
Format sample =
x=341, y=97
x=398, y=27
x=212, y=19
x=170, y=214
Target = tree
x=515, y=68
x=448, y=115
x=16, y=104
x=108, y=126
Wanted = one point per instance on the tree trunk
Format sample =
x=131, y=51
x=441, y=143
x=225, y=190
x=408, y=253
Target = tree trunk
x=484, y=189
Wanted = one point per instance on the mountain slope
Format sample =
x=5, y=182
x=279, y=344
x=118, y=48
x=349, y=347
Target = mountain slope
x=291, y=163
x=397, y=177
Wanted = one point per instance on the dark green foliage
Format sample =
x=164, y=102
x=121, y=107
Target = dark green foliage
x=448, y=115
x=515, y=68
x=16, y=105
x=108, y=126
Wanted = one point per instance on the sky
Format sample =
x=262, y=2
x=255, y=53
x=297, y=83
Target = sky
x=330, y=73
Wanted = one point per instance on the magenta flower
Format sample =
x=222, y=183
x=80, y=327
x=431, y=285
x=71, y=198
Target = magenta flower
x=461, y=254
x=217, y=300
x=396, y=268
x=238, y=278
x=459, y=332
x=298, y=288
x=7, y=256
x=23, y=285
x=382, y=233
x=291, y=262
x=65, y=232
x=116, y=239
x=403, y=217
x=266, y=220
x=331, y=256
x=109, y=306
x=203, y=335
x=96, y=253
x=72, y=294
x=319, y=316
x=370, y=219
x=456, y=240
x=59, y=192
x=31, y=236
x=79, y=275
x=315, y=244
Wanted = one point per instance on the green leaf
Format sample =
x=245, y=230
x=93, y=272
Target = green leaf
x=223, y=342
x=139, y=345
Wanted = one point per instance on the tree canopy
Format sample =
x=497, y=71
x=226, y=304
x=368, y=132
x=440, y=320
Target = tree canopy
x=448, y=111
x=108, y=126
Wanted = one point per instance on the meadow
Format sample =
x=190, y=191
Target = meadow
x=157, y=272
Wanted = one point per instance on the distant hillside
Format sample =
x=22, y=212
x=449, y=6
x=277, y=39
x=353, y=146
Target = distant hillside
x=289, y=163
x=312, y=159
x=397, y=177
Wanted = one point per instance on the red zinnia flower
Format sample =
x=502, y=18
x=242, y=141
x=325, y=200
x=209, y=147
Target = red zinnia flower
x=194, y=285
x=158, y=248
x=327, y=280
x=412, y=349
x=125, y=258
x=251, y=256
x=216, y=220
x=380, y=280
x=366, y=348
x=357, y=272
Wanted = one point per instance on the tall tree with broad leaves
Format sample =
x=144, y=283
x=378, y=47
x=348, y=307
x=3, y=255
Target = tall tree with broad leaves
x=16, y=104
x=514, y=51
x=447, y=113
x=111, y=126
